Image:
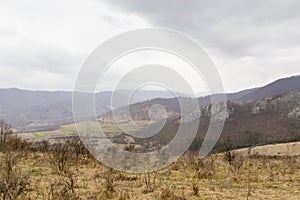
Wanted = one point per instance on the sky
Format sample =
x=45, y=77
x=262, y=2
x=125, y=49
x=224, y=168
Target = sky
x=43, y=43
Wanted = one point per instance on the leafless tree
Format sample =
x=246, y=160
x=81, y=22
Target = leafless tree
x=14, y=184
x=5, y=132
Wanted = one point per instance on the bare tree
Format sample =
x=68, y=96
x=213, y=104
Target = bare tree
x=5, y=132
x=13, y=184
x=59, y=157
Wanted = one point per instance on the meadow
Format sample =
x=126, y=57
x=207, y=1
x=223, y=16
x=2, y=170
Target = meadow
x=67, y=171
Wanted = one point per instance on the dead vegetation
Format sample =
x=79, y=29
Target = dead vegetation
x=67, y=171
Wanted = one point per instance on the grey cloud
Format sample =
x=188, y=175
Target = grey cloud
x=26, y=54
x=234, y=27
x=254, y=42
x=5, y=32
x=254, y=39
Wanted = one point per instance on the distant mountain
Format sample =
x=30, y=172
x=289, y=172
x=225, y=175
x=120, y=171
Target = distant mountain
x=269, y=120
x=139, y=111
x=41, y=110
x=29, y=110
x=278, y=87
x=144, y=95
x=256, y=116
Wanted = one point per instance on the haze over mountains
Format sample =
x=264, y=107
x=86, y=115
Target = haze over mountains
x=272, y=119
x=41, y=110
x=139, y=111
x=27, y=110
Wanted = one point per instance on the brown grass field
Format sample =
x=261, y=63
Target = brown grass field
x=63, y=174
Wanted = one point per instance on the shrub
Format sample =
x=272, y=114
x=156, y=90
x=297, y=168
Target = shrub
x=59, y=157
x=13, y=183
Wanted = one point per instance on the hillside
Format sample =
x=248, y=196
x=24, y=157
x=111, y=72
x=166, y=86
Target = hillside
x=27, y=110
x=139, y=111
x=273, y=150
x=270, y=120
x=34, y=110
x=278, y=87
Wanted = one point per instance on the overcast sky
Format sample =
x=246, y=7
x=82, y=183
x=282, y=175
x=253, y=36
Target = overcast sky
x=44, y=42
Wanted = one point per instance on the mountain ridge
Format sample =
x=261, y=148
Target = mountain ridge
x=173, y=107
x=28, y=110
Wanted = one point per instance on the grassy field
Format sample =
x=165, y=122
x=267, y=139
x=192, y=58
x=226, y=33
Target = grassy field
x=106, y=127
x=265, y=172
x=39, y=134
x=190, y=178
x=110, y=129
x=285, y=149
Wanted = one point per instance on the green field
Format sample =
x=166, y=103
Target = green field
x=39, y=134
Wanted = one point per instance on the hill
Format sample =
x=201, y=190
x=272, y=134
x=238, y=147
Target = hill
x=27, y=110
x=273, y=150
x=270, y=120
x=139, y=111
x=278, y=87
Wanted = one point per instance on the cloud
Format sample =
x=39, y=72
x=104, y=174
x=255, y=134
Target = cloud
x=241, y=36
x=252, y=42
x=49, y=40
x=234, y=27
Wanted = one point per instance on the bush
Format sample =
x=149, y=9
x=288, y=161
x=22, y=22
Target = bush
x=13, y=184
x=59, y=158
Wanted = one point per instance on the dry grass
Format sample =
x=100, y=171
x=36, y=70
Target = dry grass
x=285, y=149
x=189, y=178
